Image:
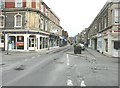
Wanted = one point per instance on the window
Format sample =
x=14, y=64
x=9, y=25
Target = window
x=2, y=20
x=117, y=16
x=105, y=22
x=37, y=4
x=2, y=3
x=106, y=45
x=42, y=23
x=20, y=42
x=42, y=7
x=18, y=3
x=18, y=20
x=45, y=25
x=117, y=45
x=2, y=39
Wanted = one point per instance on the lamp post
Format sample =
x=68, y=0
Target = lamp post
x=8, y=44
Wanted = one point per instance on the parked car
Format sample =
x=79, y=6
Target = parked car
x=77, y=49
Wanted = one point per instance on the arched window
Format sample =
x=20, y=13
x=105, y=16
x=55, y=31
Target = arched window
x=42, y=23
x=18, y=20
x=2, y=21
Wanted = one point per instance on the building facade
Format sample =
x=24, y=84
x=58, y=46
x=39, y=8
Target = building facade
x=104, y=31
x=28, y=25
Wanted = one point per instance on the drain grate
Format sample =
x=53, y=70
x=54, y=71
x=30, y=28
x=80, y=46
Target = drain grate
x=21, y=67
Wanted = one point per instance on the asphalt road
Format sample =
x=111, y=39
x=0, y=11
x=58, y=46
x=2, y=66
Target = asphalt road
x=63, y=68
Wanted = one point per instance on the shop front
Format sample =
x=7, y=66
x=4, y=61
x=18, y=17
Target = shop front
x=23, y=41
x=14, y=42
x=54, y=40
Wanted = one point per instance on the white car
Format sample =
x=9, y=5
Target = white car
x=82, y=46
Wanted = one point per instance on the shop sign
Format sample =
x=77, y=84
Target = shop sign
x=116, y=30
x=20, y=43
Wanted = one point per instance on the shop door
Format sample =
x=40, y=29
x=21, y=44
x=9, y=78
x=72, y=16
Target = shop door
x=32, y=43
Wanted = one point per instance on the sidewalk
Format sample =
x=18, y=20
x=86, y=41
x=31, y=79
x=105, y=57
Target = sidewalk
x=101, y=57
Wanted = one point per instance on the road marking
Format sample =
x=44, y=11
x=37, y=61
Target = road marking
x=82, y=84
x=68, y=62
x=69, y=83
x=33, y=57
x=26, y=59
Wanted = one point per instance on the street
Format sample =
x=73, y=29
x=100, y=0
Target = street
x=60, y=67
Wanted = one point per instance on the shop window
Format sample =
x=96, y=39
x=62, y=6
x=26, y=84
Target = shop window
x=18, y=20
x=12, y=42
x=2, y=39
x=20, y=42
x=106, y=47
x=43, y=42
x=117, y=45
x=40, y=42
x=46, y=42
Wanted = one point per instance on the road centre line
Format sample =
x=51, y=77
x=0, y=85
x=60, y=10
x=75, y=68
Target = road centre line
x=69, y=82
x=68, y=62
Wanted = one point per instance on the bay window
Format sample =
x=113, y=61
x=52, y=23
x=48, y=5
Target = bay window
x=18, y=3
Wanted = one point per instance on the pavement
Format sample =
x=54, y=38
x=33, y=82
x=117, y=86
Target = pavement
x=100, y=56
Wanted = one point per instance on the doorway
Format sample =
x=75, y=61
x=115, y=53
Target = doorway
x=32, y=42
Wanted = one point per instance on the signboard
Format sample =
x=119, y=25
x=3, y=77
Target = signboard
x=20, y=43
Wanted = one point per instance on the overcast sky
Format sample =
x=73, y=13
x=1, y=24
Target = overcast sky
x=75, y=15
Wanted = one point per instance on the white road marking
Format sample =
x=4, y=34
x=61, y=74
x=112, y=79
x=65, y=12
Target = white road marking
x=33, y=57
x=69, y=83
x=68, y=62
x=82, y=84
x=26, y=59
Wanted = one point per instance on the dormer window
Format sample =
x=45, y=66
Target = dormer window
x=18, y=20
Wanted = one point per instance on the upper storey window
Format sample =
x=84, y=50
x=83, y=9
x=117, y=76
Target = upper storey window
x=117, y=16
x=18, y=3
x=18, y=20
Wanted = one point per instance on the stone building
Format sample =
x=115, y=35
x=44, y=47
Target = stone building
x=104, y=31
x=28, y=25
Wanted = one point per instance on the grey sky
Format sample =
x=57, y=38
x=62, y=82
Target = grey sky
x=75, y=15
